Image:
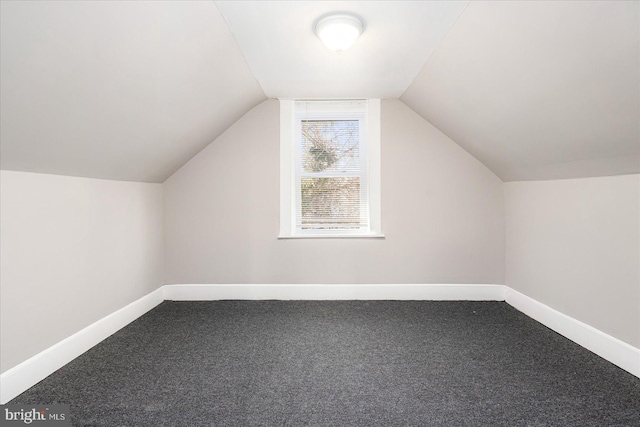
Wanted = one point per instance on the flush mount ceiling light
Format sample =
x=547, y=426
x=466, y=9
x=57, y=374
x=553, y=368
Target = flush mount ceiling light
x=339, y=31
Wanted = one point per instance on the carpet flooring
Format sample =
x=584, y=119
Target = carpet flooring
x=340, y=363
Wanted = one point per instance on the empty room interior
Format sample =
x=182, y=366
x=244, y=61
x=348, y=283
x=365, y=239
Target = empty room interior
x=324, y=213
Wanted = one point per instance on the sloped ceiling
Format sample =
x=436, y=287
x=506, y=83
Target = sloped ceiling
x=116, y=90
x=539, y=90
x=131, y=90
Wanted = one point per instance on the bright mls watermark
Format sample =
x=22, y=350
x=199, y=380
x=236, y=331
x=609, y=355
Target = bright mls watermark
x=35, y=415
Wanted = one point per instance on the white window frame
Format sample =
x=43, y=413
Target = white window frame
x=289, y=143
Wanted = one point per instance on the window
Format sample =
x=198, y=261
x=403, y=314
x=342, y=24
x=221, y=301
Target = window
x=329, y=172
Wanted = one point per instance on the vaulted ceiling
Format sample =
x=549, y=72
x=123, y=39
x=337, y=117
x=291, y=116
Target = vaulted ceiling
x=124, y=90
x=131, y=90
x=539, y=90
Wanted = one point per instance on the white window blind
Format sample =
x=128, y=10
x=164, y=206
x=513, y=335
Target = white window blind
x=331, y=179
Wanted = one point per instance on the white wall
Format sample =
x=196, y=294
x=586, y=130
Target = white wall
x=72, y=250
x=442, y=213
x=575, y=245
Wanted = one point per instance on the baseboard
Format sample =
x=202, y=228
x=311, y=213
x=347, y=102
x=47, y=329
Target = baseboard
x=33, y=370
x=612, y=349
x=434, y=292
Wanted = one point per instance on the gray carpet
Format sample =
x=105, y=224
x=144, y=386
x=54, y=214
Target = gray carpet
x=340, y=363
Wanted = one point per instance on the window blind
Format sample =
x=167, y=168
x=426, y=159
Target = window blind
x=331, y=167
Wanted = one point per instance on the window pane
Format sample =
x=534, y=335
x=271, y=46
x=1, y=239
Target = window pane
x=330, y=203
x=330, y=145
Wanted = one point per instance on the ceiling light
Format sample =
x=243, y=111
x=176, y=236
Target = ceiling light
x=339, y=32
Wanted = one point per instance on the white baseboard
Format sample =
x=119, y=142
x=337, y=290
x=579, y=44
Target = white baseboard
x=33, y=370
x=612, y=349
x=23, y=376
x=335, y=292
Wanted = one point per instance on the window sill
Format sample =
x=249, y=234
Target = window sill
x=331, y=236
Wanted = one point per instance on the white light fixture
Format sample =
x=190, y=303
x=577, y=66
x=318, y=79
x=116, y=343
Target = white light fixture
x=339, y=31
